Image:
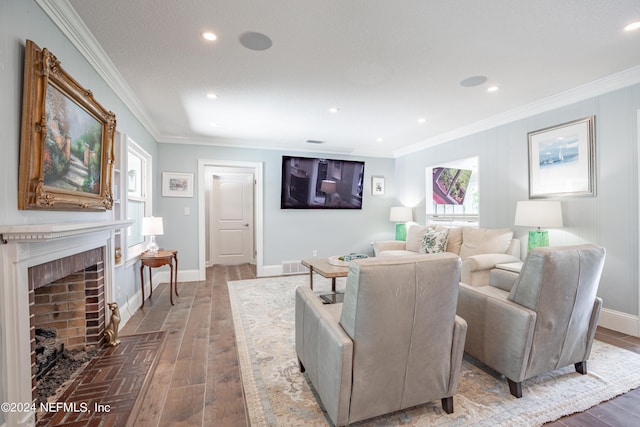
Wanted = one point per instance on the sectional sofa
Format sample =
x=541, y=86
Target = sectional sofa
x=479, y=248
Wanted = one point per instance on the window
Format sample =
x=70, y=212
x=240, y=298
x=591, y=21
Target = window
x=454, y=210
x=139, y=191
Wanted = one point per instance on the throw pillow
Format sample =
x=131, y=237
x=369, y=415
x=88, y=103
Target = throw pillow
x=454, y=238
x=477, y=241
x=434, y=241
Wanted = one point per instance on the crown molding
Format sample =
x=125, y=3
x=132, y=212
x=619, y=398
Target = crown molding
x=598, y=87
x=269, y=145
x=69, y=22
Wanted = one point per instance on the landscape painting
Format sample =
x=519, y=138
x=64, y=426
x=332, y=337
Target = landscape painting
x=73, y=145
x=559, y=151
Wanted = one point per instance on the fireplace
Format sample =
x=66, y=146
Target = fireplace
x=34, y=255
x=66, y=302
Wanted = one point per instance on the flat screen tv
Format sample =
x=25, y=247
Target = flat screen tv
x=315, y=183
x=450, y=185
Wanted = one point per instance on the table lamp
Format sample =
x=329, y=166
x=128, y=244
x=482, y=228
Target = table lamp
x=401, y=215
x=328, y=187
x=538, y=213
x=152, y=226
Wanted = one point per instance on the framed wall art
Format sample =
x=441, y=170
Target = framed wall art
x=377, y=185
x=175, y=184
x=562, y=160
x=66, y=145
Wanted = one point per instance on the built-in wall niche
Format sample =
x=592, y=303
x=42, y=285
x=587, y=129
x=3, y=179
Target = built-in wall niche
x=452, y=194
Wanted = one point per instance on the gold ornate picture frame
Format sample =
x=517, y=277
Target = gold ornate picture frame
x=66, y=146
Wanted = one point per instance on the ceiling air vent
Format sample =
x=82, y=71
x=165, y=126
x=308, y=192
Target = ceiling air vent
x=314, y=141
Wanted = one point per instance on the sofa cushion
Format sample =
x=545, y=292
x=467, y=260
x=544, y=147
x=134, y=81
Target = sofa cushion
x=415, y=233
x=434, y=241
x=484, y=241
x=454, y=240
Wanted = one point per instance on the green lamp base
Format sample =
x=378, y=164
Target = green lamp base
x=538, y=239
x=401, y=231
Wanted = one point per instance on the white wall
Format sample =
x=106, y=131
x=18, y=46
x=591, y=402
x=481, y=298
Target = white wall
x=610, y=219
x=289, y=234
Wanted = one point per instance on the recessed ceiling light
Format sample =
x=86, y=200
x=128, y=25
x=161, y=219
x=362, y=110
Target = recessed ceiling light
x=334, y=109
x=212, y=95
x=633, y=26
x=422, y=120
x=207, y=35
x=379, y=140
x=255, y=41
x=492, y=89
x=473, y=81
x=214, y=124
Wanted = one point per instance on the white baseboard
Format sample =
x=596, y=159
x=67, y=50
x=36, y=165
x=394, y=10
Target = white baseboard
x=127, y=311
x=620, y=322
x=183, y=276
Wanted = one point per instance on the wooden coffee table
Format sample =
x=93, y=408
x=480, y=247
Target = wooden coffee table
x=323, y=268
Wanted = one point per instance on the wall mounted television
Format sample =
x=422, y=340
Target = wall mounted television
x=450, y=185
x=315, y=183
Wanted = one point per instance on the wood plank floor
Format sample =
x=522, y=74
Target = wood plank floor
x=197, y=381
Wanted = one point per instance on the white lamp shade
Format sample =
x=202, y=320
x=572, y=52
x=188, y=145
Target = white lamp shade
x=328, y=186
x=152, y=226
x=539, y=213
x=401, y=214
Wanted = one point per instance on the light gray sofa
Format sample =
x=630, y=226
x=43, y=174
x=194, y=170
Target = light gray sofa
x=545, y=321
x=394, y=343
x=479, y=248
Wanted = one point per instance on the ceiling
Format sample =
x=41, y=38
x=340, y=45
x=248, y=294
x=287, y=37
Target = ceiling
x=384, y=64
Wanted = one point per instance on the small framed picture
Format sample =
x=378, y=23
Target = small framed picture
x=377, y=185
x=175, y=184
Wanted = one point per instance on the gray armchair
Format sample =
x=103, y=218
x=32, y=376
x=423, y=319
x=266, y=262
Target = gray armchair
x=394, y=343
x=546, y=321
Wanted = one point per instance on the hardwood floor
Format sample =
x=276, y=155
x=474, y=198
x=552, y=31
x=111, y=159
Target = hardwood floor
x=197, y=382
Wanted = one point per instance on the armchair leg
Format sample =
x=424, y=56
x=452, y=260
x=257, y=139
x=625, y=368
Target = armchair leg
x=515, y=388
x=581, y=367
x=447, y=404
x=301, y=366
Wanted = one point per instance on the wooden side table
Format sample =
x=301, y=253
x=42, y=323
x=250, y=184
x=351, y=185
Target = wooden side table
x=162, y=257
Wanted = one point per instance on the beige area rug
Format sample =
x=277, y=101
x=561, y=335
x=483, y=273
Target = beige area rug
x=279, y=395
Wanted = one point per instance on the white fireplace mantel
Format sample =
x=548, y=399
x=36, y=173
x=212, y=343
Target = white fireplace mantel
x=23, y=246
x=39, y=232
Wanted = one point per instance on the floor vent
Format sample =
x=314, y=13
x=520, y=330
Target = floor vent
x=293, y=267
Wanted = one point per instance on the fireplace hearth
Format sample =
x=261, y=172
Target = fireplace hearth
x=67, y=365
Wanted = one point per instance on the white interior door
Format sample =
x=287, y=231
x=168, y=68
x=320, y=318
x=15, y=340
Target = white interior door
x=232, y=218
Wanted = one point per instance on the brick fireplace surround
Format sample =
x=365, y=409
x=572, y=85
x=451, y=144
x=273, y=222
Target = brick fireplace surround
x=68, y=294
x=31, y=255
